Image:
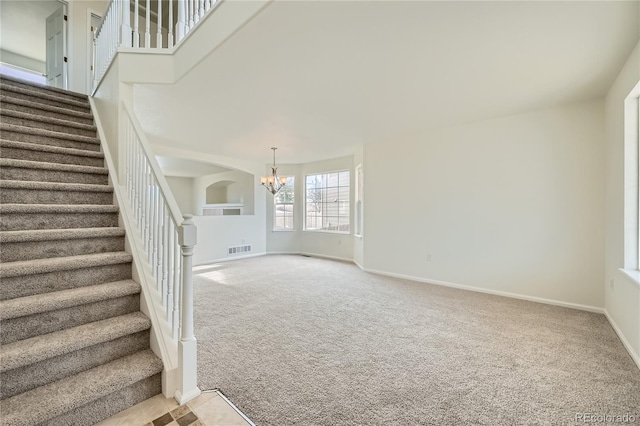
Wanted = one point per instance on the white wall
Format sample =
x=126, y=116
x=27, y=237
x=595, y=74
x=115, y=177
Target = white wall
x=622, y=299
x=182, y=188
x=217, y=233
x=21, y=61
x=299, y=241
x=511, y=205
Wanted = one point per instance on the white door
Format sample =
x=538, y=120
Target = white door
x=56, y=49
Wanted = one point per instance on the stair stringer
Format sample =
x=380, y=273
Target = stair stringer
x=165, y=348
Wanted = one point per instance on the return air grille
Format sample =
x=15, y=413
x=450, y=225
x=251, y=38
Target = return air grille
x=245, y=248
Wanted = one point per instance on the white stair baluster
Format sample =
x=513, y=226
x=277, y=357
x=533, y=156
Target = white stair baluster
x=125, y=39
x=147, y=30
x=159, y=36
x=170, y=266
x=192, y=12
x=200, y=10
x=136, y=24
x=177, y=288
x=181, y=26
x=170, y=29
x=165, y=256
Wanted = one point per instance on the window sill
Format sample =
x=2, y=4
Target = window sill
x=283, y=230
x=633, y=275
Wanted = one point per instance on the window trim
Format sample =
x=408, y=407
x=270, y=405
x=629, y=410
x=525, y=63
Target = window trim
x=304, y=210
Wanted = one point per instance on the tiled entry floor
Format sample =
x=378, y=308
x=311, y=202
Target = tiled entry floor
x=209, y=409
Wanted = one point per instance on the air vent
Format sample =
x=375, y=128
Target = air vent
x=245, y=248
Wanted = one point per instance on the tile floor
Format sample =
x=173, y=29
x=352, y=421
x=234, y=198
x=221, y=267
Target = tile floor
x=208, y=409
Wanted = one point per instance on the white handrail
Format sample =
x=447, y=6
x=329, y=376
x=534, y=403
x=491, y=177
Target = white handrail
x=168, y=240
x=121, y=27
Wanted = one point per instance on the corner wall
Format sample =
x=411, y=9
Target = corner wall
x=622, y=293
x=511, y=206
x=324, y=244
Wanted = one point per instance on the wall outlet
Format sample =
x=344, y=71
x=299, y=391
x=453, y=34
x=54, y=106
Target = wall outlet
x=611, y=284
x=429, y=259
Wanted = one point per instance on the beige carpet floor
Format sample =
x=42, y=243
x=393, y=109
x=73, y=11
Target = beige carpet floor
x=293, y=340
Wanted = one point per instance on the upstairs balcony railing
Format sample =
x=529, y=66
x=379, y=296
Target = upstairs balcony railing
x=144, y=24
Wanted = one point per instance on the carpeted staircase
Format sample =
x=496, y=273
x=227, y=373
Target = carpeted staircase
x=74, y=346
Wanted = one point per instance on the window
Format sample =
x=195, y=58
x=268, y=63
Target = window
x=283, y=206
x=327, y=202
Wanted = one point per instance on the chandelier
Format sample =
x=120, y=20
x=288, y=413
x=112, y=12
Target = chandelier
x=273, y=183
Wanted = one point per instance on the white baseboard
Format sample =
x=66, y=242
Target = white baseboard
x=304, y=253
x=623, y=339
x=358, y=265
x=324, y=256
x=228, y=259
x=494, y=292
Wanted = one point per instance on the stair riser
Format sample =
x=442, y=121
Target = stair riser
x=28, y=285
x=20, y=251
x=60, y=94
x=46, y=140
x=43, y=175
x=111, y=404
x=34, y=325
x=55, y=114
x=37, y=196
x=29, y=377
x=19, y=222
x=43, y=101
x=50, y=157
x=48, y=126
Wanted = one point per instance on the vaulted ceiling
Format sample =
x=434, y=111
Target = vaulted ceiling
x=317, y=78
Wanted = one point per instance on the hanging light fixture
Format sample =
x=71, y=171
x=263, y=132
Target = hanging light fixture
x=273, y=183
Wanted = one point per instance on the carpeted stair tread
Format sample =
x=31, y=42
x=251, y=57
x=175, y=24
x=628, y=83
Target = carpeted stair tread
x=48, y=401
x=45, y=119
x=48, y=133
x=9, y=89
x=36, y=304
x=35, y=349
x=58, y=234
x=35, y=86
x=44, y=266
x=54, y=186
x=50, y=148
x=57, y=208
x=43, y=165
x=7, y=101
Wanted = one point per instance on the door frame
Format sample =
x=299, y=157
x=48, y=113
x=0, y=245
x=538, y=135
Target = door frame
x=90, y=53
x=65, y=42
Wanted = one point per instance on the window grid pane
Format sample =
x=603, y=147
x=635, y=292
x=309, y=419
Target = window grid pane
x=283, y=206
x=327, y=202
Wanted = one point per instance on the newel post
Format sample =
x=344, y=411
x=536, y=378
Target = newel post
x=187, y=347
x=182, y=20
